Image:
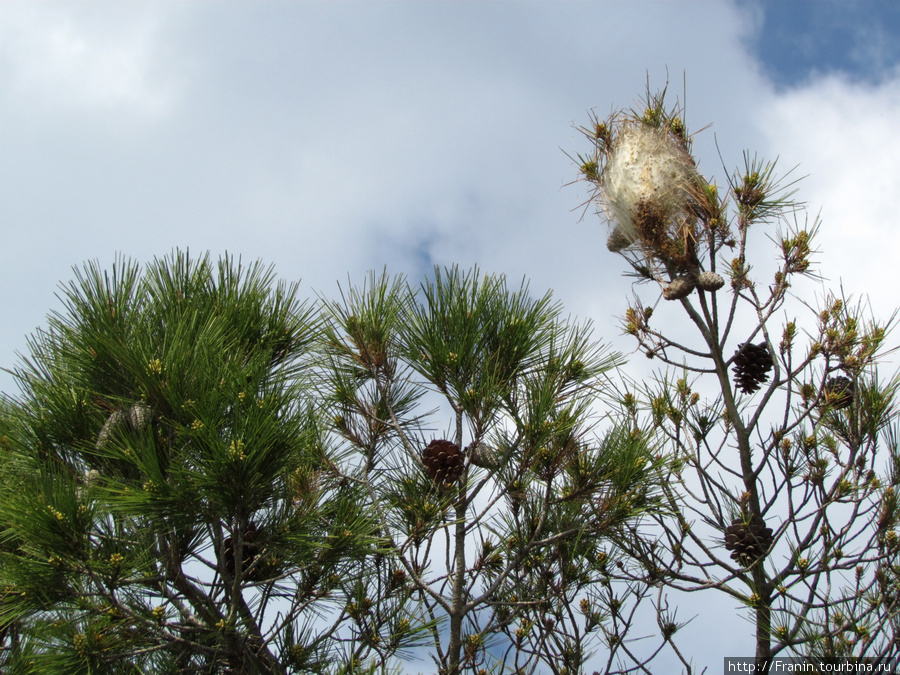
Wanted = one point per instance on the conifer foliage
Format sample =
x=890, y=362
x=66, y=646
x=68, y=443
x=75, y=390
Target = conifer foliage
x=468, y=407
x=203, y=473
x=792, y=465
x=163, y=486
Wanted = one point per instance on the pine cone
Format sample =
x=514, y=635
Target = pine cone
x=443, y=461
x=135, y=418
x=838, y=392
x=748, y=540
x=481, y=455
x=709, y=281
x=248, y=555
x=681, y=287
x=752, y=364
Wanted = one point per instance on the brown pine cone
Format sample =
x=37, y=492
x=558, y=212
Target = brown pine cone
x=752, y=364
x=443, y=461
x=747, y=540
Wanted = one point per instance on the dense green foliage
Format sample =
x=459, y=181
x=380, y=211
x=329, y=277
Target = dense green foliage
x=204, y=474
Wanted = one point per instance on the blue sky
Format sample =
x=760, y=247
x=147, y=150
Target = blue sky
x=801, y=40
x=331, y=138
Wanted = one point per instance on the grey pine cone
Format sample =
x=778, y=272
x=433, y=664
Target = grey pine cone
x=135, y=418
x=681, y=287
x=481, y=455
x=709, y=281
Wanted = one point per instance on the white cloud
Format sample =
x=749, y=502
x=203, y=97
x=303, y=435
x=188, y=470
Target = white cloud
x=844, y=135
x=331, y=138
x=92, y=58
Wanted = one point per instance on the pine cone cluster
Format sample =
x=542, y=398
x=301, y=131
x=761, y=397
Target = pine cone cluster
x=839, y=392
x=747, y=540
x=752, y=364
x=443, y=461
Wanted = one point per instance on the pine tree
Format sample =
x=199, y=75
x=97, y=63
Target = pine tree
x=782, y=433
x=202, y=473
x=166, y=500
x=504, y=522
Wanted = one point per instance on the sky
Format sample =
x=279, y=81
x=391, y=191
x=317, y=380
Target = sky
x=334, y=138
